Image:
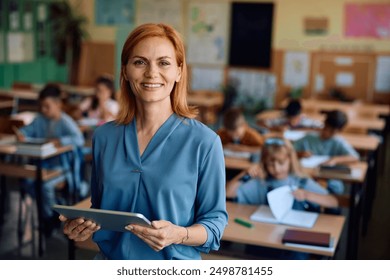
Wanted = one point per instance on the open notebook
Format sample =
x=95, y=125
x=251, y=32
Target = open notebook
x=280, y=210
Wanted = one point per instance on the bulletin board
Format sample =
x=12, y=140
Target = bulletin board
x=351, y=73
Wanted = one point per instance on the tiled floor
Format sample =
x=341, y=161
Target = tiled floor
x=374, y=245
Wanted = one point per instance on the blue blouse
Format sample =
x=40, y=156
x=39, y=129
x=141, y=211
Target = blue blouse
x=180, y=177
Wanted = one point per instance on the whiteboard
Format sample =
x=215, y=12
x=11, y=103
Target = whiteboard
x=207, y=32
x=161, y=11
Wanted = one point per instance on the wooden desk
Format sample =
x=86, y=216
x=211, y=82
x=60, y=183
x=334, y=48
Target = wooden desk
x=208, y=105
x=236, y=163
x=270, y=235
x=313, y=104
x=20, y=93
x=353, y=123
x=36, y=172
x=358, y=175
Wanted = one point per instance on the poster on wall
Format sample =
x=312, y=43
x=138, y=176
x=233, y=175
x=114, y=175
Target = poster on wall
x=207, y=32
x=20, y=47
x=108, y=12
x=382, y=77
x=206, y=78
x=367, y=20
x=296, y=69
x=166, y=11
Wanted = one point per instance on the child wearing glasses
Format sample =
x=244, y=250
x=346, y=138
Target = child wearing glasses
x=278, y=167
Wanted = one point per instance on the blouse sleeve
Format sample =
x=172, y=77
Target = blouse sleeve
x=211, y=197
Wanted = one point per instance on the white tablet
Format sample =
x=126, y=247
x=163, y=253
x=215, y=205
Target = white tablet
x=107, y=219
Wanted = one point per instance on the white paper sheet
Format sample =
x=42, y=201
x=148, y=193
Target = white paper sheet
x=294, y=135
x=313, y=161
x=280, y=210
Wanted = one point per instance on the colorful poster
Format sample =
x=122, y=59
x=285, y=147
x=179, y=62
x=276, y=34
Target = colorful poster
x=161, y=11
x=367, y=20
x=110, y=12
x=207, y=32
x=296, y=69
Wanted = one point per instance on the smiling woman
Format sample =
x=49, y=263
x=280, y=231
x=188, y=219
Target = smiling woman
x=185, y=199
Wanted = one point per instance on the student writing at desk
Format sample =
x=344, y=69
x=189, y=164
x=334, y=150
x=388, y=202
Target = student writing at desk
x=156, y=159
x=279, y=167
x=103, y=107
x=328, y=143
x=236, y=135
x=52, y=124
x=292, y=118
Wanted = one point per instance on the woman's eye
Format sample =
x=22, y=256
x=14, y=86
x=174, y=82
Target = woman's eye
x=164, y=63
x=139, y=62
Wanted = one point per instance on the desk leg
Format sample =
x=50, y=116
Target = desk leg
x=369, y=196
x=38, y=188
x=3, y=199
x=354, y=222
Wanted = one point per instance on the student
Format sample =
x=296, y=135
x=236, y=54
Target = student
x=328, y=143
x=278, y=167
x=292, y=118
x=53, y=124
x=236, y=134
x=156, y=159
x=103, y=105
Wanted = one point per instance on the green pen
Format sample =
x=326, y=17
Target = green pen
x=243, y=223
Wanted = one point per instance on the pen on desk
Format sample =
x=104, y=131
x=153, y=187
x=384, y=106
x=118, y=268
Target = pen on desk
x=243, y=223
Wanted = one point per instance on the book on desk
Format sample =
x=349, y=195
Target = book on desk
x=280, y=210
x=38, y=147
x=338, y=168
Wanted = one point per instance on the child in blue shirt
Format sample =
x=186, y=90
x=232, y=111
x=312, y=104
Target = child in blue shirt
x=59, y=128
x=328, y=143
x=279, y=167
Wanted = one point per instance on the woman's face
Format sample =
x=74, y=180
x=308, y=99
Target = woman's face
x=278, y=164
x=152, y=70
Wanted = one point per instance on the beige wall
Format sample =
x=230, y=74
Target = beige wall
x=288, y=29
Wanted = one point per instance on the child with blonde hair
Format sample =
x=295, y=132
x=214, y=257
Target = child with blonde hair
x=279, y=166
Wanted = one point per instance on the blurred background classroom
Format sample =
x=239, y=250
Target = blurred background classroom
x=255, y=55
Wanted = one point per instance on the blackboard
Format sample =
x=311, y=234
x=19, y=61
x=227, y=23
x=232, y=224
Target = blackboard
x=251, y=34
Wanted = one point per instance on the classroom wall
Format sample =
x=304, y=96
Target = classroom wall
x=288, y=28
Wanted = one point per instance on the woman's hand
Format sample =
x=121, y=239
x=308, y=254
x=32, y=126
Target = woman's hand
x=160, y=235
x=78, y=229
